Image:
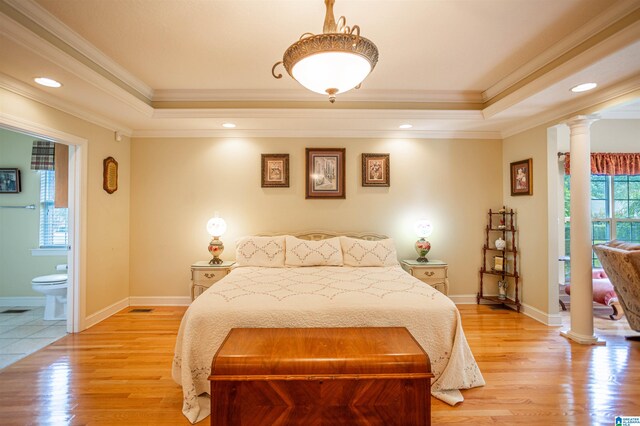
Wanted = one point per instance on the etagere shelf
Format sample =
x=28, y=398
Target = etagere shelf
x=504, y=264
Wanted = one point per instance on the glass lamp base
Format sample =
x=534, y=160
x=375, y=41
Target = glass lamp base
x=422, y=247
x=216, y=247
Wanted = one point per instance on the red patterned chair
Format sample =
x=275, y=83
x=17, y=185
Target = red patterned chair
x=604, y=293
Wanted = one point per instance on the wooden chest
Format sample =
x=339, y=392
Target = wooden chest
x=320, y=376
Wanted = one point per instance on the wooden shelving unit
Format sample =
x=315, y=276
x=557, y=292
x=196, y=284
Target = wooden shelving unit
x=501, y=223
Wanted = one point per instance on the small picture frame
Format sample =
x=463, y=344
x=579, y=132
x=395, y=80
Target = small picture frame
x=325, y=173
x=375, y=170
x=275, y=171
x=522, y=177
x=10, y=181
x=110, y=175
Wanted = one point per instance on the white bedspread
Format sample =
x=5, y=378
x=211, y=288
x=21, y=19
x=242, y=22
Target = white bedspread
x=325, y=296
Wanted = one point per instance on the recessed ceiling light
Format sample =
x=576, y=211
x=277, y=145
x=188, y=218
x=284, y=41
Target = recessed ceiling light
x=405, y=126
x=49, y=82
x=583, y=87
x=228, y=125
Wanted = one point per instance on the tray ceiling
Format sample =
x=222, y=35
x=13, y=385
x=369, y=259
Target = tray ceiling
x=458, y=68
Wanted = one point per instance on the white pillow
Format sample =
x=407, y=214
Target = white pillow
x=313, y=253
x=260, y=251
x=358, y=252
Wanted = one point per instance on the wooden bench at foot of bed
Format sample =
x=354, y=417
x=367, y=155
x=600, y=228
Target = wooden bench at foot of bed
x=320, y=376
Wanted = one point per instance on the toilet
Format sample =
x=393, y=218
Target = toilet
x=54, y=287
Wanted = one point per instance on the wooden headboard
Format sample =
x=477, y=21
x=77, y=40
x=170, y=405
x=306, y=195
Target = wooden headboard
x=323, y=235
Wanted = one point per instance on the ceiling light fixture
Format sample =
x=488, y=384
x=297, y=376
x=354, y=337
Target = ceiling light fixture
x=333, y=62
x=584, y=87
x=405, y=126
x=45, y=81
x=228, y=125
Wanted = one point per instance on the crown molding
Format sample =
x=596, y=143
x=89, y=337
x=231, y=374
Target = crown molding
x=221, y=95
x=613, y=43
x=603, y=20
x=22, y=89
x=356, y=134
x=53, y=25
x=43, y=48
x=348, y=114
x=583, y=106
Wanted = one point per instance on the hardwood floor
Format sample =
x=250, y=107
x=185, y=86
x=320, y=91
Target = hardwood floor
x=118, y=373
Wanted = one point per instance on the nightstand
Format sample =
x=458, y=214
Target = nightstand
x=434, y=272
x=204, y=274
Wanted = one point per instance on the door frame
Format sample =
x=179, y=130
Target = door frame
x=78, y=155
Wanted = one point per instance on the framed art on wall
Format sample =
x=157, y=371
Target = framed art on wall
x=375, y=170
x=325, y=172
x=521, y=177
x=275, y=171
x=9, y=181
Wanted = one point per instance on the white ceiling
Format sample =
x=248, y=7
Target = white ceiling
x=452, y=68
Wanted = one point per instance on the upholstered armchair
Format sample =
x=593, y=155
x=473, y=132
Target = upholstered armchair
x=621, y=262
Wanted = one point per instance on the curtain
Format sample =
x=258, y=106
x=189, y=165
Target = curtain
x=42, y=155
x=606, y=163
x=62, y=176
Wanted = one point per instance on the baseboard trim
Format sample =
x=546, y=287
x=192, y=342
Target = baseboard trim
x=159, y=301
x=105, y=313
x=463, y=299
x=552, y=320
x=469, y=299
x=22, y=301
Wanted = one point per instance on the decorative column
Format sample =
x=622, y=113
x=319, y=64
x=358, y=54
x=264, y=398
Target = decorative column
x=581, y=285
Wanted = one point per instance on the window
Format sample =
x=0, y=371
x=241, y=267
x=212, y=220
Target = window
x=615, y=209
x=53, y=221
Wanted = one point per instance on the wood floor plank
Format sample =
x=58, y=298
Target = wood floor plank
x=119, y=373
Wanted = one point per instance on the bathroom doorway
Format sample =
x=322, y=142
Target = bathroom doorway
x=24, y=321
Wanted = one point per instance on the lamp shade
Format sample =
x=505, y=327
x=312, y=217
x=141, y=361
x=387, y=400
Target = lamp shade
x=325, y=71
x=423, y=228
x=216, y=226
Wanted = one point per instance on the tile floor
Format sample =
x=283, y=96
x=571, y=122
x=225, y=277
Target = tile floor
x=24, y=333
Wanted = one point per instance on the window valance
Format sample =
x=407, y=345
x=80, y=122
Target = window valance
x=43, y=155
x=607, y=163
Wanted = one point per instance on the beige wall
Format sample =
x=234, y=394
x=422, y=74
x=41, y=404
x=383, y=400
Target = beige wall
x=19, y=227
x=107, y=215
x=532, y=214
x=608, y=136
x=178, y=184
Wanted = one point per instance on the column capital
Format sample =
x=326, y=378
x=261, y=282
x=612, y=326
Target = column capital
x=581, y=122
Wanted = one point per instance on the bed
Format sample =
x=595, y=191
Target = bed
x=328, y=294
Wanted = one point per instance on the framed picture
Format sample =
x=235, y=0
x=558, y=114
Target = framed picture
x=375, y=170
x=275, y=170
x=522, y=177
x=498, y=263
x=9, y=181
x=110, y=175
x=325, y=173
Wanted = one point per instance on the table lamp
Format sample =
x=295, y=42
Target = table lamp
x=216, y=226
x=423, y=229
